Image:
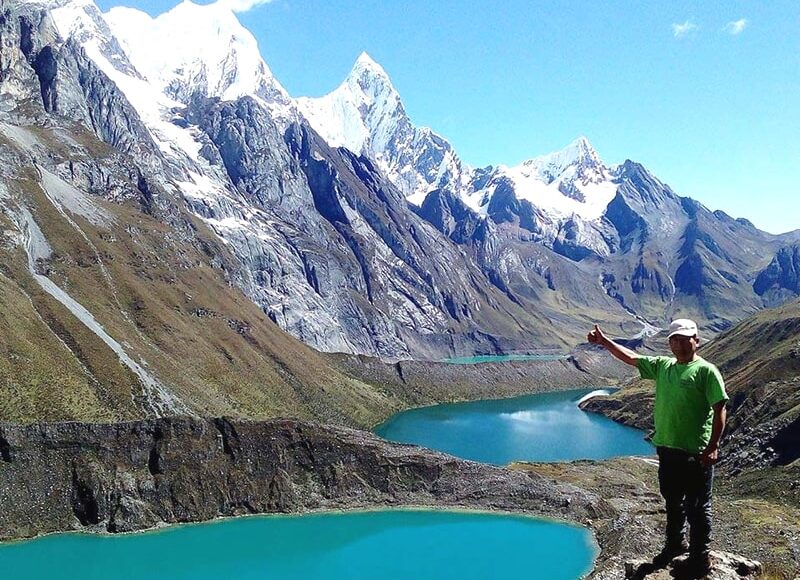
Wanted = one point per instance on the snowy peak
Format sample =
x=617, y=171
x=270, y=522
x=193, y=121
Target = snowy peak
x=369, y=81
x=366, y=67
x=578, y=159
x=570, y=182
x=195, y=48
x=362, y=114
x=79, y=19
x=82, y=22
x=366, y=115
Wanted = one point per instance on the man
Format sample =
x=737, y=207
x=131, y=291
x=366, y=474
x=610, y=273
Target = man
x=689, y=416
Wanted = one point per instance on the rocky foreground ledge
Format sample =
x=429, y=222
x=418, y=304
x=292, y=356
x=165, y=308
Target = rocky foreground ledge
x=753, y=536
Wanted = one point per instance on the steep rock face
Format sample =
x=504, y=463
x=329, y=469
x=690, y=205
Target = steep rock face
x=369, y=213
x=27, y=57
x=300, y=269
x=650, y=281
x=132, y=476
x=91, y=98
x=334, y=254
x=781, y=278
x=448, y=214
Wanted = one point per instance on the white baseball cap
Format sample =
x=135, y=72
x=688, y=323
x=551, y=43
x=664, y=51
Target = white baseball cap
x=682, y=327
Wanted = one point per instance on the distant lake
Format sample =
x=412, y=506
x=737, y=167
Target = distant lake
x=542, y=427
x=397, y=544
x=487, y=358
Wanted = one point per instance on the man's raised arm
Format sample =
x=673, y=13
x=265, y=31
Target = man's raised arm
x=626, y=355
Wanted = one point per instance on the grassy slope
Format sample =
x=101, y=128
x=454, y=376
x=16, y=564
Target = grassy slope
x=171, y=309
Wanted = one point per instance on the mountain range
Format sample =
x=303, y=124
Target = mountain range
x=349, y=227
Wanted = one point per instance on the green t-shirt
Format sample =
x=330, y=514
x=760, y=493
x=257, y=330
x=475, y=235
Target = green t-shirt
x=685, y=394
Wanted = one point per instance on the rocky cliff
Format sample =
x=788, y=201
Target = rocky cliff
x=132, y=476
x=780, y=280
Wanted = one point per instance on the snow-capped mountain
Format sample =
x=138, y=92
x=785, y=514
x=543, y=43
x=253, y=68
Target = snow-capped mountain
x=189, y=49
x=161, y=63
x=325, y=245
x=366, y=115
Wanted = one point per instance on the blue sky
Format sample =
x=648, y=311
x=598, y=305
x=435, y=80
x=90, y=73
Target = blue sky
x=704, y=94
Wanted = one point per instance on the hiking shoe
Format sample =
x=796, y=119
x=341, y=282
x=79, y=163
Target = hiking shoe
x=669, y=553
x=695, y=566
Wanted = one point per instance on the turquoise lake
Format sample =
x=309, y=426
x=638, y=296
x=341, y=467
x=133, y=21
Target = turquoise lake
x=543, y=427
x=370, y=545
x=471, y=360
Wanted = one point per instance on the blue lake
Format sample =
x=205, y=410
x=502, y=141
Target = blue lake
x=543, y=427
x=471, y=360
x=397, y=544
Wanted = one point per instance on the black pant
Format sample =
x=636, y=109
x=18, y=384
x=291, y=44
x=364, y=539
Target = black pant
x=685, y=484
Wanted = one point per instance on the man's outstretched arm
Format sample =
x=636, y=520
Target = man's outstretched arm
x=626, y=355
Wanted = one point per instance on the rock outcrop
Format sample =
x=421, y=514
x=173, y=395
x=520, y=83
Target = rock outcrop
x=133, y=476
x=748, y=528
x=724, y=566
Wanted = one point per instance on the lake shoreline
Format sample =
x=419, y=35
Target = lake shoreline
x=84, y=480
x=276, y=542
x=414, y=384
x=80, y=477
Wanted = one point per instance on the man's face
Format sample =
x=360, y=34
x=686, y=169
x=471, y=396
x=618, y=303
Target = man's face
x=683, y=347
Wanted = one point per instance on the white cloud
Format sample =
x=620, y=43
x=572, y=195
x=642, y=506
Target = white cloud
x=242, y=5
x=681, y=30
x=736, y=27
